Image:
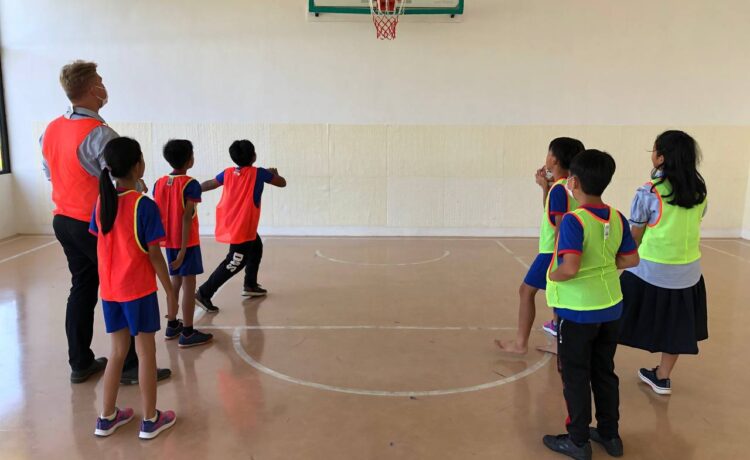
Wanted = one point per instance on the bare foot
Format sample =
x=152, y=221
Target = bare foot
x=510, y=346
x=549, y=348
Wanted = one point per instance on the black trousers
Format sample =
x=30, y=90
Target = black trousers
x=586, y=358
x=80, y=250
x=245, y=255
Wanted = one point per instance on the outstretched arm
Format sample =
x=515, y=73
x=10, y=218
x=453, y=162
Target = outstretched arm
x=277, y=180
x=209, y=185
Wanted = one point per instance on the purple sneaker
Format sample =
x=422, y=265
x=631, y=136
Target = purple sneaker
x=164, y=421
x=106, y=427
x=550, y=328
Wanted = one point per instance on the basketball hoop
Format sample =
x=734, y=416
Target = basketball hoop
x=385, y=15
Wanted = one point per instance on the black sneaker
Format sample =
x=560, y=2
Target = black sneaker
x=205, y=303
x=172, y=333
x=130, y=376
x=95, y=367
x=254, y=291
x=562, y=444
x=612, y=446
x=194, y=339
x=660, y=386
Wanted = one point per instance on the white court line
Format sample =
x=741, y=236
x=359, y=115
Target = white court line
x=363, y=327
x=368, y=264
x=424, y=238
x=518, y=259
x=703, y=245
x=237, y=340
x=739, y=241
x=21, y=254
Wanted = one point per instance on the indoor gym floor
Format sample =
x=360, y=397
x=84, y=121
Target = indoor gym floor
x=366, y=348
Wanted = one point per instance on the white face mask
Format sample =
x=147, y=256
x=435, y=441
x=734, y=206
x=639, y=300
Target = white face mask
x=106, y=95
x=570, y=192
x=548, y=174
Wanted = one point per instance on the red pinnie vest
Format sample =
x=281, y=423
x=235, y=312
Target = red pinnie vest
x=237, y=216
x=169, y=194
x=125, y=270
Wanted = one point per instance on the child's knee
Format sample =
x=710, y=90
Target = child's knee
x=527, y=291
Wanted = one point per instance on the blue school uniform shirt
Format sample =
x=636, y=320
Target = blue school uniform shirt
x=558, y=202
x=571, y=241
x=263, y=176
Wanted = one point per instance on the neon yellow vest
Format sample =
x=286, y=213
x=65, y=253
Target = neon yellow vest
x=546, y=229
x=675, y=238
x=596, y=286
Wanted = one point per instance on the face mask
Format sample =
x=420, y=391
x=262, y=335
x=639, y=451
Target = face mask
x=548, y=174
x=570, y=192
x=656, y=173
x=106, y=95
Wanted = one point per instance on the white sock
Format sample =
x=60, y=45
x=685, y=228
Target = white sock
x=109, y=417
x=152, y=420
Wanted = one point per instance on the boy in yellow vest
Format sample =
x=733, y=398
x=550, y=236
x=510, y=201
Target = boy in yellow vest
x=552, y=178
x=583, y=286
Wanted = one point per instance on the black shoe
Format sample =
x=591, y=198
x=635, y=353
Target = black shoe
x=130, y=376
x=254, y=291
x=612, y=446
x=660, y=386
x=205, y=303
x=95, y=367
x=562, y=444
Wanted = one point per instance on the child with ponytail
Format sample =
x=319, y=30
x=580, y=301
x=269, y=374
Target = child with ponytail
x=129, y=229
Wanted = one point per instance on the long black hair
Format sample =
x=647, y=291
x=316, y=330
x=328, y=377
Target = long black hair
x=121, y=155
x=681, y=158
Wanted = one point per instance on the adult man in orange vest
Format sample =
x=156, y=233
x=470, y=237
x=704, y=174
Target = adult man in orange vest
x=72, y=147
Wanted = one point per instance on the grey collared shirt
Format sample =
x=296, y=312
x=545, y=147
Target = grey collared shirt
x=91, y=149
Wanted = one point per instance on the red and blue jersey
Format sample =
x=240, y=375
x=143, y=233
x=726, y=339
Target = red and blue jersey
x=172, y=194
x=238, y=211
x=125, y=270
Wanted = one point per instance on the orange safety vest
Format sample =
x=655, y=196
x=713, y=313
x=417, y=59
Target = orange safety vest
x=125, y=270
x=169, y=194
x=237, y=216
x=74, y=190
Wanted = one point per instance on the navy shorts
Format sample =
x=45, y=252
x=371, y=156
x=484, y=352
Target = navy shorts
x=192, y=264
x=139, y=315
x=537, y=274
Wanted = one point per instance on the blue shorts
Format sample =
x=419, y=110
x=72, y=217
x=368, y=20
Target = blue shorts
x=192, y=264
x=139, y=315
x=537, y=274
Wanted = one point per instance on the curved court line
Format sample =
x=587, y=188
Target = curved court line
x=340, y=261
x=237, y=340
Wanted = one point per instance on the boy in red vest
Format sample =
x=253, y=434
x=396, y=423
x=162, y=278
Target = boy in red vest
x=178, y=195
x=237, y=217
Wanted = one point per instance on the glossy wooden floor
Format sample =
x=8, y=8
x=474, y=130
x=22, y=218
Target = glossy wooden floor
x=365, y=349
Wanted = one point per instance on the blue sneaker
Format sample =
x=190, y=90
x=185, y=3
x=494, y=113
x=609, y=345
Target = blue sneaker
x=164, y=421
x=660, y=386
x=194, y=339
x=106, y=427
x=172, y=333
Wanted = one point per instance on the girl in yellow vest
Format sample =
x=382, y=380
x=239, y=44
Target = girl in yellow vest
x=552, y=178
x=665, y=296
x=584, y=289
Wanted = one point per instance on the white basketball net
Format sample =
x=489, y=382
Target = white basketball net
x=385, y=15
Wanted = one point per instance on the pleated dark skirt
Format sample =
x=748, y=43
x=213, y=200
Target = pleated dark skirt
x=663, y=320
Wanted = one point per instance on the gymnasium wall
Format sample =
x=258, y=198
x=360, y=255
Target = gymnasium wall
x=7, y=217
x=437, y=133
